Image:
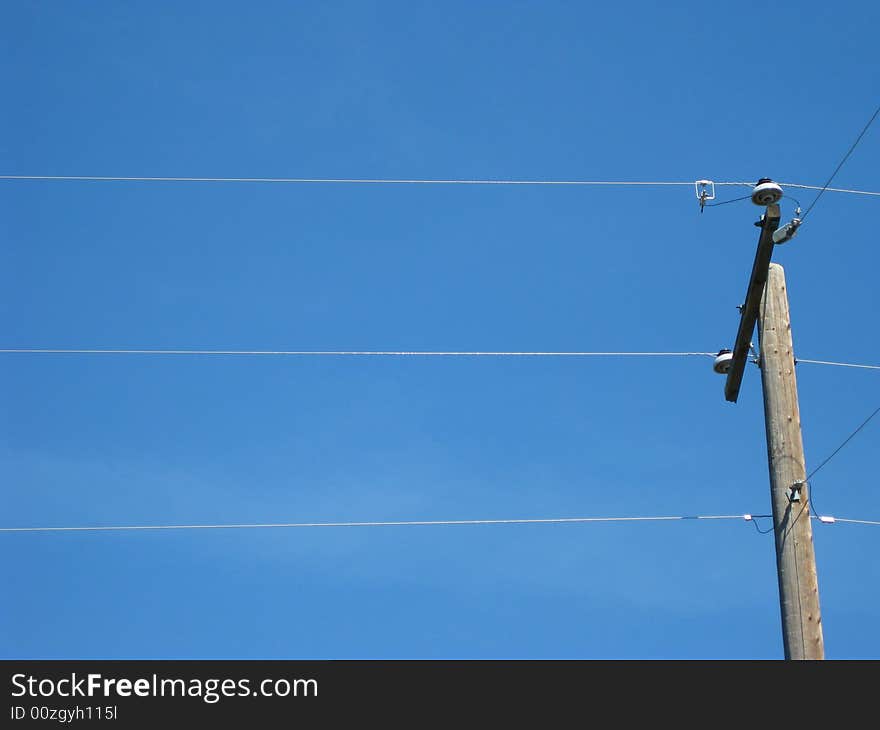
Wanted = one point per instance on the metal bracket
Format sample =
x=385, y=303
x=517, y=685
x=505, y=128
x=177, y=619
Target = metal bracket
x=794, y=493
x=705, y=190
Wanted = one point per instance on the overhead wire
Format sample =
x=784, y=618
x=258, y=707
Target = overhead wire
x=379, y=181
x=845, y=442
x=837, y=364
x=810, y=501
x=348, y=353
x=409, y=181
x=725, y=202
x=841, y=163
x=390, y=353
x=352, y=181
x=826, y=519
x=760, y=531
x=393, y=523
x=830, y=190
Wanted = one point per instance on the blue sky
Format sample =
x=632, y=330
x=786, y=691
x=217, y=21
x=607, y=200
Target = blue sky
x=524, y=90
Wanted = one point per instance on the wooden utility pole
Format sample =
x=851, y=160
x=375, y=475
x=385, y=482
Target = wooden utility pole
x=789, y=491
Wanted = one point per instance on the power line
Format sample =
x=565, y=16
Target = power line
x=348, y=353
x=403, y=523
x=829, y=190
x=404, y=181
x=755, y=523
x=390, y=353
x=725, y=202
x=840, y=164
x=838, y=364
x=811, y=502
x=829, y=520
x=826, y=519
x=352, y=181
x=846, y=441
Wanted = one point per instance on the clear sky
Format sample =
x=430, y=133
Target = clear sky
x=519, y=90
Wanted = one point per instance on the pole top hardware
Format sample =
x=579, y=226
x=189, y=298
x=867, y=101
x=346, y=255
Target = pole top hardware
x=766, y=192
x=705, y=190
x=786, y=232
x=723, y=360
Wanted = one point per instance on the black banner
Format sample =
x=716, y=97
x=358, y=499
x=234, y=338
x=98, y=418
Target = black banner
x=268, y=693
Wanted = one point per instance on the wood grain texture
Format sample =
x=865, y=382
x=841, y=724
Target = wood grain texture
x=795, y=557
